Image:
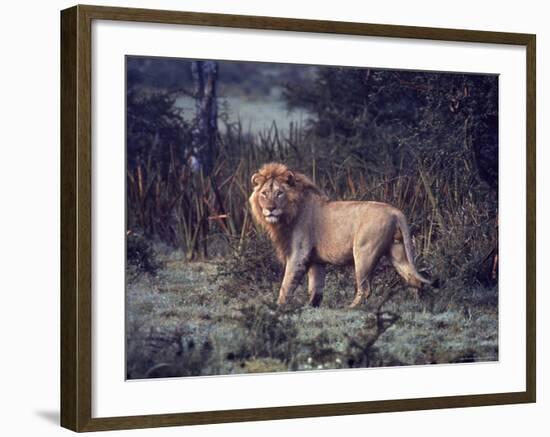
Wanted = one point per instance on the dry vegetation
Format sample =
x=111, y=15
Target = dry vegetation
x=202, y=279
x=194, y=318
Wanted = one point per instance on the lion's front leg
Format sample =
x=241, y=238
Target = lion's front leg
x=316, y=283
x=294, y=271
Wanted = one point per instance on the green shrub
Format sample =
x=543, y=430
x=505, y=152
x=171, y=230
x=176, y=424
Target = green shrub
x=140, y=255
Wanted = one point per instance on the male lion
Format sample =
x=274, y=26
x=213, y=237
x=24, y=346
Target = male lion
x=308, y=231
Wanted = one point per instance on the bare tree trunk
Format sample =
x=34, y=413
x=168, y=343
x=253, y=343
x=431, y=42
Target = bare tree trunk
x=205, y=75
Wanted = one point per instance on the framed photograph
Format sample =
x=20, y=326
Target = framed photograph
x=268, y=218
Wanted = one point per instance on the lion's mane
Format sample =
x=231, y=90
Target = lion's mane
x=298, y=187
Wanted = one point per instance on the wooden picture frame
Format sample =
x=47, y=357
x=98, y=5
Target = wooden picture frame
x=76, y=217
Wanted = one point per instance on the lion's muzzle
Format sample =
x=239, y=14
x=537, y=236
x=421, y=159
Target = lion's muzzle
x=272, y=216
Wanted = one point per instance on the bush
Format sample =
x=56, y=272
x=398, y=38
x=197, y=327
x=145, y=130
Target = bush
x=140, y=255
x=252, y=267
x=270, y=331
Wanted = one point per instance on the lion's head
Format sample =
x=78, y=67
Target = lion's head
x=275, y=193
x=278, y=195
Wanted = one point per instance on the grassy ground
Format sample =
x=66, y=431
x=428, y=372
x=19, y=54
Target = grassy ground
x=199, y=318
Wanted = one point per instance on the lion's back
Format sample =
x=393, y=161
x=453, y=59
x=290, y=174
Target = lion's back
x=338, y=224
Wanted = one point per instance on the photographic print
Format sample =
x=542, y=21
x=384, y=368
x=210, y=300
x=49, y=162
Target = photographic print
x=285, y=217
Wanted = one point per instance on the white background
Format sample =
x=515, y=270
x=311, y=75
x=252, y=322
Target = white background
x=112, y=396
x=29, y=229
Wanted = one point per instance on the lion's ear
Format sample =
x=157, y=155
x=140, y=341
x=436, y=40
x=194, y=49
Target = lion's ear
x=290, y=178
x=256, y=179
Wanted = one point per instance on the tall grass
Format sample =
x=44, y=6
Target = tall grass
x=449, y=212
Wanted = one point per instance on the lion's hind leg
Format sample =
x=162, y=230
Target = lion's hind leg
x=406, y=270
x=365, y=262
x=362, y=291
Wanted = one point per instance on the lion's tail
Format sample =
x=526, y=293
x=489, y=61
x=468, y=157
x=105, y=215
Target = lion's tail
x=409, y=250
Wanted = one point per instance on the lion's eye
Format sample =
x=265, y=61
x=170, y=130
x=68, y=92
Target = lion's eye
x=279, y=193
x=263, y=193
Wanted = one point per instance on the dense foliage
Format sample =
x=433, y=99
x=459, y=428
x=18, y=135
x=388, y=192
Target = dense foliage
x=426, y=142
x=395, y=120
